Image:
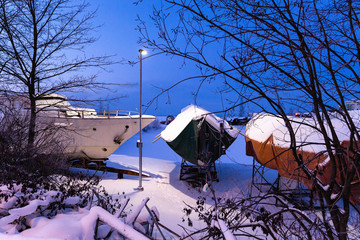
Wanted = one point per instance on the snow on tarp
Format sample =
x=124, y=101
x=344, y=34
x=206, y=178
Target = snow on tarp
x=264, y=125
x=199, y=136
x=190, y=113
x=268, y=140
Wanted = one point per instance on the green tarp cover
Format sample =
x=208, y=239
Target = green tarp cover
x=200, y=141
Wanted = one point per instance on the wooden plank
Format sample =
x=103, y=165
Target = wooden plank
x=104, y=168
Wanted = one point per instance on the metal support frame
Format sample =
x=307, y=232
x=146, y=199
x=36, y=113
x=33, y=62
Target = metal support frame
x=259, y=179
x=301, y=197
x=196, y=173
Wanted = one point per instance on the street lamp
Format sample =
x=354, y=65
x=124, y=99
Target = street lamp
x=139, y=142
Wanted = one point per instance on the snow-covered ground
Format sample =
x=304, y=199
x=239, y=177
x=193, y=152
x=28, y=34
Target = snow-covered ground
x=166, y=192
x=164, y=188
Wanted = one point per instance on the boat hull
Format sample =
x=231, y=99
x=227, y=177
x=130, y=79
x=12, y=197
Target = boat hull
x=98, y=137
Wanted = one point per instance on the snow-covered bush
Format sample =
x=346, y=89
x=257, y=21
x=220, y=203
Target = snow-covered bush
x=20, y=203
x=266, y=216
x=75, y=210
x=20, y=161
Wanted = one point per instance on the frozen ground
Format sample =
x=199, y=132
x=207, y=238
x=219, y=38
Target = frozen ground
x=163, y=187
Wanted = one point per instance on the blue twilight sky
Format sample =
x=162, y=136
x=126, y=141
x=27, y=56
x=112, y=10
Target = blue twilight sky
x=118, y=36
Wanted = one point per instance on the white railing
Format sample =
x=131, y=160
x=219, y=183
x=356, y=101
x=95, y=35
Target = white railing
x=116, y=113
x=86, y=113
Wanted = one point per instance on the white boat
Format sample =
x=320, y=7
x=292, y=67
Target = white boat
x=87, y=133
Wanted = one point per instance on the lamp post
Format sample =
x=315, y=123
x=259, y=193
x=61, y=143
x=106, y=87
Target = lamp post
x=139, y=142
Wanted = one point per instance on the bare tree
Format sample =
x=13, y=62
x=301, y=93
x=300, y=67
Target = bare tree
x=300, y=54
x=42, y=49
x=18, y=162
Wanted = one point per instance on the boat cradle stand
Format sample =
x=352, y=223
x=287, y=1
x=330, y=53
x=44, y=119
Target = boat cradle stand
x=290, y=189
x=100, y=165
x=198, y=174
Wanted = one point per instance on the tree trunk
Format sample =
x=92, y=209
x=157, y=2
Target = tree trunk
x=32, y=125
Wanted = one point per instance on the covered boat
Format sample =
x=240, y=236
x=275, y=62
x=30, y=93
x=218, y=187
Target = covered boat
x=199, y=136
x=268, y=141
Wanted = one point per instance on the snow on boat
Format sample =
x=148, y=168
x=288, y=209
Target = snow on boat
x=268, y=141
x=87, y=133
x=199, y=136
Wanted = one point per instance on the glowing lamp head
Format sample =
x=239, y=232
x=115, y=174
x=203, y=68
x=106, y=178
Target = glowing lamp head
x=142, y=51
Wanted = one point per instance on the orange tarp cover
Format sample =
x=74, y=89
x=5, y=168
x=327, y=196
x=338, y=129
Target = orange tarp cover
x=282, y=159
